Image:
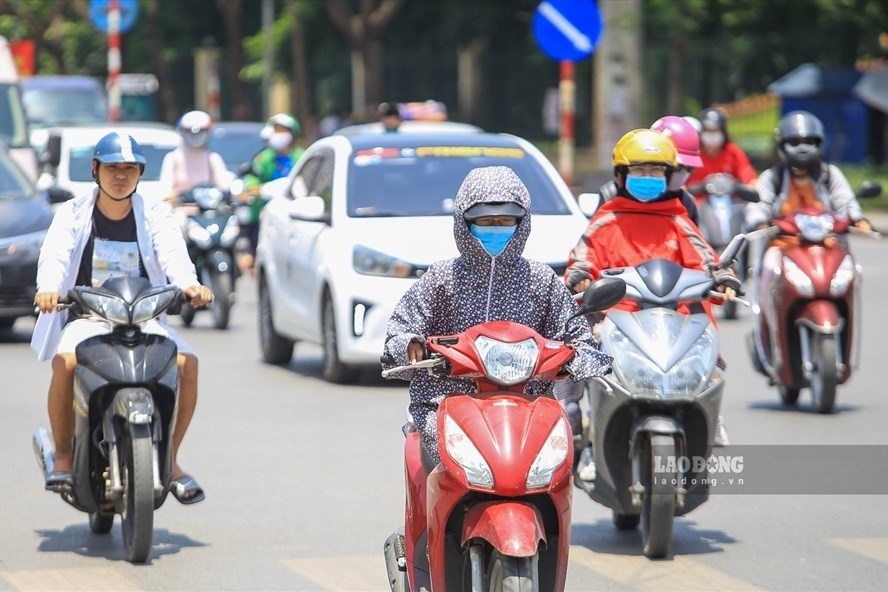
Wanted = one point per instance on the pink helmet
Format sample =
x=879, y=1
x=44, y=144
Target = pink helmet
x=684, y=136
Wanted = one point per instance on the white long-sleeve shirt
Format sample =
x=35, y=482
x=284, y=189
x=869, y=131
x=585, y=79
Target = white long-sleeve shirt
x=185, y=168
x=161, y=246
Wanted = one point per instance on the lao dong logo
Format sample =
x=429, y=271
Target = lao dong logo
x=698, y=464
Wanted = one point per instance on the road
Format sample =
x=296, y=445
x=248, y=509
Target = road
x=304, y=482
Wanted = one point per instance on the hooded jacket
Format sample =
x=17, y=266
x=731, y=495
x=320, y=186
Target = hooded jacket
x=474, y=288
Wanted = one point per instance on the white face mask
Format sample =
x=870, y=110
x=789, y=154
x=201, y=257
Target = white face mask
x=280, y=140
x=712, y=140
x=678, y=179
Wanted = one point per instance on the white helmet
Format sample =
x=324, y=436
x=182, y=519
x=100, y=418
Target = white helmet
x=195, y=128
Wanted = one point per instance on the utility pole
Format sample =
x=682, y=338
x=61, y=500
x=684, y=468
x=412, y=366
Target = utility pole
x=267, y=55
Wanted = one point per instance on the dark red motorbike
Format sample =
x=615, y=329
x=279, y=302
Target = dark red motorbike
x=495, y=513
x=806, y=301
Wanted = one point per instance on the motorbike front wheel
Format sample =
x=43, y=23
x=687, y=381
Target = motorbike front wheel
x=510, y=574
x=223, y=286
x=824, y=376
x=658, y=505
x=137, y=472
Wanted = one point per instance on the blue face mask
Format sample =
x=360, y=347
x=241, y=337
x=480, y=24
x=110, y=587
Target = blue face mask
x=645, y=188
x=493, y=238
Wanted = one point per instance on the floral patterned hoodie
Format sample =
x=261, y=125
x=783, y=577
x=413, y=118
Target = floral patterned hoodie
x=474, y=288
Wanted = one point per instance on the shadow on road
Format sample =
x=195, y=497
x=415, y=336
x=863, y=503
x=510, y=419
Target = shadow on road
x=603, y=537
x=803, y=407
x=78, y=538
x=20, y=334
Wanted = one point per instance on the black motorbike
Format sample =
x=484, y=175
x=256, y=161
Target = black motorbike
x=210, y=234
x=125, y=400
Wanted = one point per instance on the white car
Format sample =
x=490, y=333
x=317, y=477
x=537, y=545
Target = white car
x=361, y=217
x=67, y=159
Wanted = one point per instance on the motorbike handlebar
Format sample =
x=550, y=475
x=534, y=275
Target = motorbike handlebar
x=721, y=295
x=420, y=365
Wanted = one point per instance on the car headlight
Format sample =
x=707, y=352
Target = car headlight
x=552, y=454
x=507, y=363
x=466, y=455
x=642, y=377
x=23, y=245
x=369, y=262
x=108, y=307
x=814, y=228
x=199, y=234
x=838, y=285
x=797, y=277
x=148, y=307
x=230, y=232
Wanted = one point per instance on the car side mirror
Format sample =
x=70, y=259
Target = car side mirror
x=310, y=208
x=732, y=251
x=57, y=195
x=589, y=203
x=52, y=154
x=868, y=190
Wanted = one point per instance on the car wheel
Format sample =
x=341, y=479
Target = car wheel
x=334, y=369
x=275, y=349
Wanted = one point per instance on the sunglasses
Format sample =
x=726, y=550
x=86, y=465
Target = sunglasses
x=801, y=141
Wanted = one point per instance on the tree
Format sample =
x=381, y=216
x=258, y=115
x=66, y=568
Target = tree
x=232, y=13
x=41, y=22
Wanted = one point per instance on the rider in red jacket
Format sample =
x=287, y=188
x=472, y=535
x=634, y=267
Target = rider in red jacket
x=719, y=154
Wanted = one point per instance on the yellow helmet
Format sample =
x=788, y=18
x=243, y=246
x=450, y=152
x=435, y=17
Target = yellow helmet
x=645, y=146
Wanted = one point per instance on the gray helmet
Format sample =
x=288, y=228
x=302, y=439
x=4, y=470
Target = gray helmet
x=800, y=137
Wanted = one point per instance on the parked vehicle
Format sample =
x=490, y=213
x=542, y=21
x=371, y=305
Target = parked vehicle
x=211, y=231
x=237, y=142
x=14, y=133
x=53, y=101
x=807, y=300
x=126, y=394
x=495, y=513
x=360, y=217
x=722, y=214
x=661, y=401
x=25, y=216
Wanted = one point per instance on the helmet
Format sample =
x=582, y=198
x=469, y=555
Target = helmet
x=286, y=120
x=642, y=146
x=388, y=110
x=116, y=147
x=694, y=122
x=195, y=127
x=685, y=138
x=800, y=137
x=714, y=119
x=480, y=210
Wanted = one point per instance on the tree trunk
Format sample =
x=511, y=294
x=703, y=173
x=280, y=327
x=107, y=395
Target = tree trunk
x=161, y=68
x=231, y=13
x=675, y=92
x=469, y=79
x=300, y=95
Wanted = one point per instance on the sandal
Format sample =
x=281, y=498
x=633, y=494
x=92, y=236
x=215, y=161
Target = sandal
x=186, y=489
x=59, y=482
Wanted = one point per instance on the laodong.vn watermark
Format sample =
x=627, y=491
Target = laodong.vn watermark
x=779, y=469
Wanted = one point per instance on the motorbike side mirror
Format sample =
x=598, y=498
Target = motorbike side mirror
x=747, y=194
x=869, y=189
x=52, y=154
x=57, y=195
x=732, y=251
x=244, y=169
x=603, y=294
x=589, y=203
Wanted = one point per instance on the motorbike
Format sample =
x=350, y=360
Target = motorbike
x=661, y=402
x=494, y=514
x=125, y=399
x=806, y=304
x=721, y=216
x=211, y=232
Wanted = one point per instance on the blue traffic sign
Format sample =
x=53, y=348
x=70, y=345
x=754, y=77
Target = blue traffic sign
x=567, y=29
x=98, y=14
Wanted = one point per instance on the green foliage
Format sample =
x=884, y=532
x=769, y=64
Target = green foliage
x=858, y=174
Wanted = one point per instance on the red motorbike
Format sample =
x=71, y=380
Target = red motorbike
x=495, y=513
x=806, y=301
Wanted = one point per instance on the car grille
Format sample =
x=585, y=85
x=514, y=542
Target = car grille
x=17, y=297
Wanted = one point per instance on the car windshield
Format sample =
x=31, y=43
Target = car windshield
x=236, y=146
x=13, y=183
x=13, y=129
x=46, y=107
x=423, y=181
x=80, y=159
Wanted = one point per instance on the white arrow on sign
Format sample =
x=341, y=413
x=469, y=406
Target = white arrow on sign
x=580, y=41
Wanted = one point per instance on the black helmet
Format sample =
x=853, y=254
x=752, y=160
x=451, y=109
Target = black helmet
x=710, y=118
x=800, y=137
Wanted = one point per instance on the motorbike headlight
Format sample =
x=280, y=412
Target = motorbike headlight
x=148, y=307
x=814, y=228
x=108, y=307
x=797, y=277
x=369, y=262
x=466, y=455
x=507, y=363
x=230, y=232
x=642, y=377
x=199, y=234
x=552, y=454
x=23, y=245
x=838, y=285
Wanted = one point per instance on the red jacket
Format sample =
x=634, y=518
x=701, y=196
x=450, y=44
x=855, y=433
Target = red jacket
x=626, y=232
x=731, y=159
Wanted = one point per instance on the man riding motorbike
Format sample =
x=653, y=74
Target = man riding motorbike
x=719, y=155
x=643, y=222
x=111, y=232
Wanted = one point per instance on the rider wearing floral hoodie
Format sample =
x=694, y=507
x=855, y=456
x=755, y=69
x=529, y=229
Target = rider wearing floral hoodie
x=489, y=281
